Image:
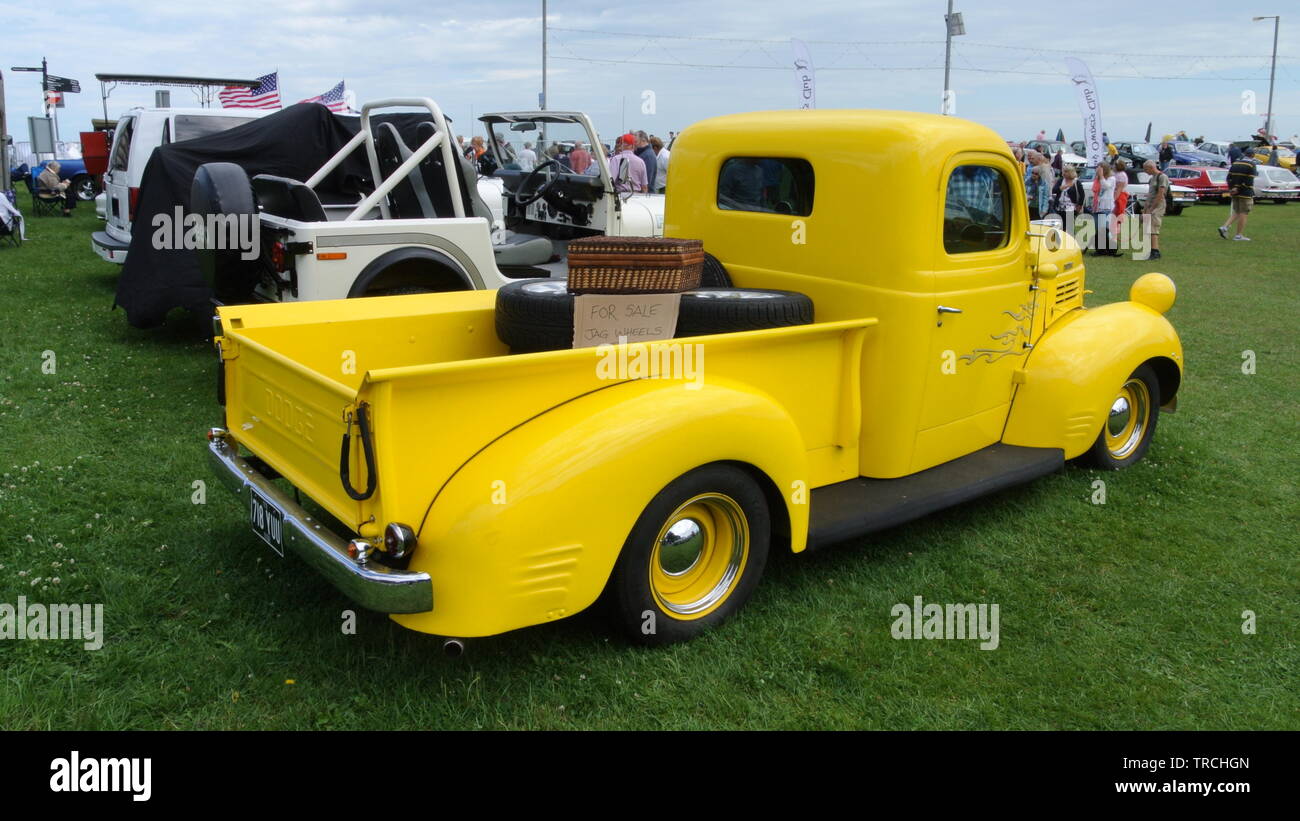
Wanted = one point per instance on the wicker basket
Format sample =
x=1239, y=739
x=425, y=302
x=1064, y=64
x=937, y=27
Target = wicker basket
x=634, y=265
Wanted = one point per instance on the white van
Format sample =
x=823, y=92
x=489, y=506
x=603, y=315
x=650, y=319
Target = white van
x=139, y=131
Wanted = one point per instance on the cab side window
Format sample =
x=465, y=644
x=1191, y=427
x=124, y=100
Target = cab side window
x=766, y=184
x=976, y=212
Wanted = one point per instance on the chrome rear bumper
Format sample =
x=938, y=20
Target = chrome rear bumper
x=371, y=585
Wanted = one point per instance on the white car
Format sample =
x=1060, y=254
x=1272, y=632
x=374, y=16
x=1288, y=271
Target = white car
x=1276, y=184
x=1050, y=147
x=1180, y=196
x=139, y=131
x=101, y=205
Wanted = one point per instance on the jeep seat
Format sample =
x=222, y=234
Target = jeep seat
x=515, y=249
x=287, y=198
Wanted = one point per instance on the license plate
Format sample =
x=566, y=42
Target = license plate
x=267, y=520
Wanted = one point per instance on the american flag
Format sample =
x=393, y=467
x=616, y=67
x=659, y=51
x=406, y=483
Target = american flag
x=265, y=95
x=332, y=99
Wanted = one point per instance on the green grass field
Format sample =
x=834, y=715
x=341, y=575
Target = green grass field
x=1126, y=615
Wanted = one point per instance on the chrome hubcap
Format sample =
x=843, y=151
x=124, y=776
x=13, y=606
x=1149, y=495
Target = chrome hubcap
x=681, y=546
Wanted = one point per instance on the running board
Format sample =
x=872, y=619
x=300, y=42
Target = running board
x=847, y=510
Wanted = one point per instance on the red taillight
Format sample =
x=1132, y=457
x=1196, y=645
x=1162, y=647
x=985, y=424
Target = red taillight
x=277, y=256
x=132, y=198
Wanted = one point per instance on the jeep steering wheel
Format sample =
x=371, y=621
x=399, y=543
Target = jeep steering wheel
x=524, y=199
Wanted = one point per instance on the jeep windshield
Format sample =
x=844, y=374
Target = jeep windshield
x=522, y=144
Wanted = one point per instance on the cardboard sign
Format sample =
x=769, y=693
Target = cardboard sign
x=608, y=319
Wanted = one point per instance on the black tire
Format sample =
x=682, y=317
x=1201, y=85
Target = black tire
x=726, y=310
x=223, y=188
x=85, y=187
x=714, y=274
x=537, y=314
x=733, y=527
x=1115, y=450
x=1175, y=210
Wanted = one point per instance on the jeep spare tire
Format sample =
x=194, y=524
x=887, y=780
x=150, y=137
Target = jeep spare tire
x=537, y=314
x=223, y=189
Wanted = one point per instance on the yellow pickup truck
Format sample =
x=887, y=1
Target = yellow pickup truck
x=468, y=490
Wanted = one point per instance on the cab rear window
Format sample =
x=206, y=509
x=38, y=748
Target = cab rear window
x=768, y=185
x=976, y=210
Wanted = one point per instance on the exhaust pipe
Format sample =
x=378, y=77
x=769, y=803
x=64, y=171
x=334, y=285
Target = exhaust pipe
x=454, y=648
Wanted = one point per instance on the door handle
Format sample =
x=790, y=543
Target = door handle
x=944, y=309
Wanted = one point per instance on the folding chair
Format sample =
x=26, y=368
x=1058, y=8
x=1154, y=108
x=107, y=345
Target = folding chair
x=12, y=235
x=46, y=204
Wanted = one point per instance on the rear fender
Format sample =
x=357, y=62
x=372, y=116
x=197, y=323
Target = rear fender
x=1074, y=372
x=529, y=529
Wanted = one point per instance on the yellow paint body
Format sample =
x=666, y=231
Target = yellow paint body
x=524, y=474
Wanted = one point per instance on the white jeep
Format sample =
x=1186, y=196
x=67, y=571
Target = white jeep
x=431, y=223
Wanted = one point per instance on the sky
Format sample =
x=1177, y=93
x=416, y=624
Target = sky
x=1193, y=65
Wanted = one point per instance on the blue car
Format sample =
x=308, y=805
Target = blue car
x=85, y=184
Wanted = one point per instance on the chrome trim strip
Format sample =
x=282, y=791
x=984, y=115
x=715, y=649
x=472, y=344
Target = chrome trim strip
x=373, y=586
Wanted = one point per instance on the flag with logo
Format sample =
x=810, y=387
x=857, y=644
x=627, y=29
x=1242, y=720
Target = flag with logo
x=804, y=78
x=266, y=94
x=1089, y=108
x=334, y=99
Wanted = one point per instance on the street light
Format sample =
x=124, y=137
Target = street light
x=1268, y=120
x=956, y=27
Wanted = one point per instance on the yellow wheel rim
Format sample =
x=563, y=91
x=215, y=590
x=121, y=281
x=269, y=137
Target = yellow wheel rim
x=699, y=556
x=1130, y=414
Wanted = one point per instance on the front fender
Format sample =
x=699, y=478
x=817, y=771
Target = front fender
x=1073, y=373
x=529, y=529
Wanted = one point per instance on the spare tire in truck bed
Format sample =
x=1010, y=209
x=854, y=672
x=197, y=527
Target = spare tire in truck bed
x=537, y=314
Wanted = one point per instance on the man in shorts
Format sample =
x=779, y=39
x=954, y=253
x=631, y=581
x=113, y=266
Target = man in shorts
x=1241, y=187
x=1154, y=204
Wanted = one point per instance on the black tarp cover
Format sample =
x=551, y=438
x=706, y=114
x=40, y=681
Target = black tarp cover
x=294, y=142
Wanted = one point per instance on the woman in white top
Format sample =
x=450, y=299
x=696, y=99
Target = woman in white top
x=1103, y=207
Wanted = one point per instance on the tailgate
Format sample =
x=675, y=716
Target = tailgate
x=292, y=418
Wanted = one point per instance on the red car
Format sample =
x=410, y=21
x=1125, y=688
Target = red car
x=1211, y=184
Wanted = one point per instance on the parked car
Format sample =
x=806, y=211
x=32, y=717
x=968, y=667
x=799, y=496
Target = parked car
x=139, y=131
x=1050, y=147
x=1209, y=183
x=1137, y=153
x=1275, y=184
x=1285, y=157
x=71, y=168
x=1219, y=149
x=473, y=491
x=1186, y=153
x=1180, y=196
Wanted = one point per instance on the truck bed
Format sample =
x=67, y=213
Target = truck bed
x=439, y=386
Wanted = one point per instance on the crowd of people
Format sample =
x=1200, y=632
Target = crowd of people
x=638, y=162
x=1054, y=188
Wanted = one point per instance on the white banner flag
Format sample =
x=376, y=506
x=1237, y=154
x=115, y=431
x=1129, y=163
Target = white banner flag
x=805, y=80
x=1089, y=108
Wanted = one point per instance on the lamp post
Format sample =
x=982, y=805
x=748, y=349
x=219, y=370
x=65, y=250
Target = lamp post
x=1268, y=120
x=544, y=101
x=955, y=27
